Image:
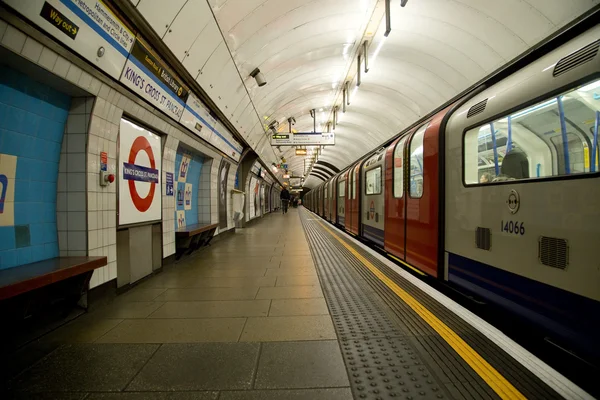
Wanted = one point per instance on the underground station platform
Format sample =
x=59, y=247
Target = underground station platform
x=289, y=308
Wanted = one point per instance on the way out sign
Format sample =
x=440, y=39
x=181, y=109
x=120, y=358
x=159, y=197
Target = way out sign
x=139, y=174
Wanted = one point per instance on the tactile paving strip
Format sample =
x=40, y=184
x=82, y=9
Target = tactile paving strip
x=458, y=379
x=381, y=361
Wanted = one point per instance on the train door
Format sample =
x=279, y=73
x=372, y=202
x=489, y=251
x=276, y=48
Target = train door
x=422, y=197
x=395, y=207
x=341, y=198
x=333, y=200
x=373, y=199
x=354, y=200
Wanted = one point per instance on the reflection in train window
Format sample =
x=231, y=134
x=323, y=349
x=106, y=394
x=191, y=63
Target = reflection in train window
x=354, y=183
x=556, y=137
x=399, y=169
x=416, y=163
x=374, y=181
x=342, y=189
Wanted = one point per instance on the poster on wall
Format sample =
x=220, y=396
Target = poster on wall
x=139, y=174
x=150, y=79
x=8, y=175
x=255, y=190
x=86, y=26
x=188, y=197
x=180, y=219
x=252, y=197
x=223, y=175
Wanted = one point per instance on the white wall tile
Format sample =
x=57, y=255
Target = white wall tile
x=112, y=253
x=76, y=162
x=77, y=241
x=76, y=142
x=92, y=239
x=14, y=39
x=74, y=74
x=3, y=26
x=61, y=202
x=112, y=270
x=76, y=182
x=32, y=50
x=61, y=221
x=92, y=217
x=61, y=67
x=48, y=59
x=76, y=221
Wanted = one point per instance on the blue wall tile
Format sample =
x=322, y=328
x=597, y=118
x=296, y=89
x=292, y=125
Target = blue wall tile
x=8, y=259
x=32, y=123
x=7, y=237
x=24, y=255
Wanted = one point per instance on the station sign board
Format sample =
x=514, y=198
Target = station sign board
x=151, y=79
x=197, y=118
x=301, y=152
x=303, y=139
x=88, y=27
x=139, y=172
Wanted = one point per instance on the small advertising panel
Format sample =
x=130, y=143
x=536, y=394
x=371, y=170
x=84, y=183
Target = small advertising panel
x=88, y=27
x=139, y=174
x=197, y=119
x=303, y=139
x=295, y=182
x=222, y=188
x=149, y=78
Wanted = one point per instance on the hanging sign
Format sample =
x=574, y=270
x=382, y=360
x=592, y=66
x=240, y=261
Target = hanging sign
x=303, y=139
x=139, y=174
x=149, y=78
x=88, y=27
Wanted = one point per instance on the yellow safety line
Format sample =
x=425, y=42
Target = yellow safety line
x=489, y=374
x=408, y=265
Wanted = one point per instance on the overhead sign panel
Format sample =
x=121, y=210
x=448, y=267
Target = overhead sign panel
x=303, y=139
x=149, y=78
x=198, y=119
x=87, y=26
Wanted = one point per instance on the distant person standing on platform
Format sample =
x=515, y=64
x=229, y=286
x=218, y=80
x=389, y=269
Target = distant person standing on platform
x=285, y=199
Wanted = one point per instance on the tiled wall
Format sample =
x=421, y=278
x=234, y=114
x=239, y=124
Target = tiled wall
x=32, y=122
x=204, y=194
x=71, y=209
x=112, y=101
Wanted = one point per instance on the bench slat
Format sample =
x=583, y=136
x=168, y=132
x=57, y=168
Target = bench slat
x=193, y=230
x=18, y=280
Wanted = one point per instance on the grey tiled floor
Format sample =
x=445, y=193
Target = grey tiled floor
x=242, y=320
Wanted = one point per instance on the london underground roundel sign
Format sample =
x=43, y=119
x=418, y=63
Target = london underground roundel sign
x=139, y=173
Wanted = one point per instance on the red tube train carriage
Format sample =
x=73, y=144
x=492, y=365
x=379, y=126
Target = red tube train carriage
x=497, y=194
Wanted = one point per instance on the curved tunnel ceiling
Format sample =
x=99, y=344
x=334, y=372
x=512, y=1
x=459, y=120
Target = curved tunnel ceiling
x=437, y=48
x=307, y=50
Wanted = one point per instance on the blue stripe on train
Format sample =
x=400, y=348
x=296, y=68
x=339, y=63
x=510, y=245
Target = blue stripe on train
x=571, y=316
x=374, y=234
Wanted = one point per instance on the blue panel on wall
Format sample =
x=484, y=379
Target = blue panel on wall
x=191, y=176
x=32, y=123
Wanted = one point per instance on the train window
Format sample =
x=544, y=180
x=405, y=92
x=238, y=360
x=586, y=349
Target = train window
x=373, y=181
x=399, y=169
x=416, y=163
x=556, y=137
x=342, y=189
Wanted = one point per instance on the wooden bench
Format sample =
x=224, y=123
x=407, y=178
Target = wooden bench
x=192, y=237
x=25, y=279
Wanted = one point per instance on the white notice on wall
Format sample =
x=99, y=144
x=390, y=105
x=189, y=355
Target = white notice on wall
x=139, y=174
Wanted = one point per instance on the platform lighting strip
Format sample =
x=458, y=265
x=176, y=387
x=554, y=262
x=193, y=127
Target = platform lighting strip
x=496, y=381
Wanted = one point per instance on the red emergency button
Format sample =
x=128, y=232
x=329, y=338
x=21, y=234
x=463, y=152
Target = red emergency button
x=111, y=178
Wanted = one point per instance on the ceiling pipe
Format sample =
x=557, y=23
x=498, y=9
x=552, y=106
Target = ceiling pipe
x=388, y=18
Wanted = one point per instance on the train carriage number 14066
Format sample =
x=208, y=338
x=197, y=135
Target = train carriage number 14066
x=516, y=227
